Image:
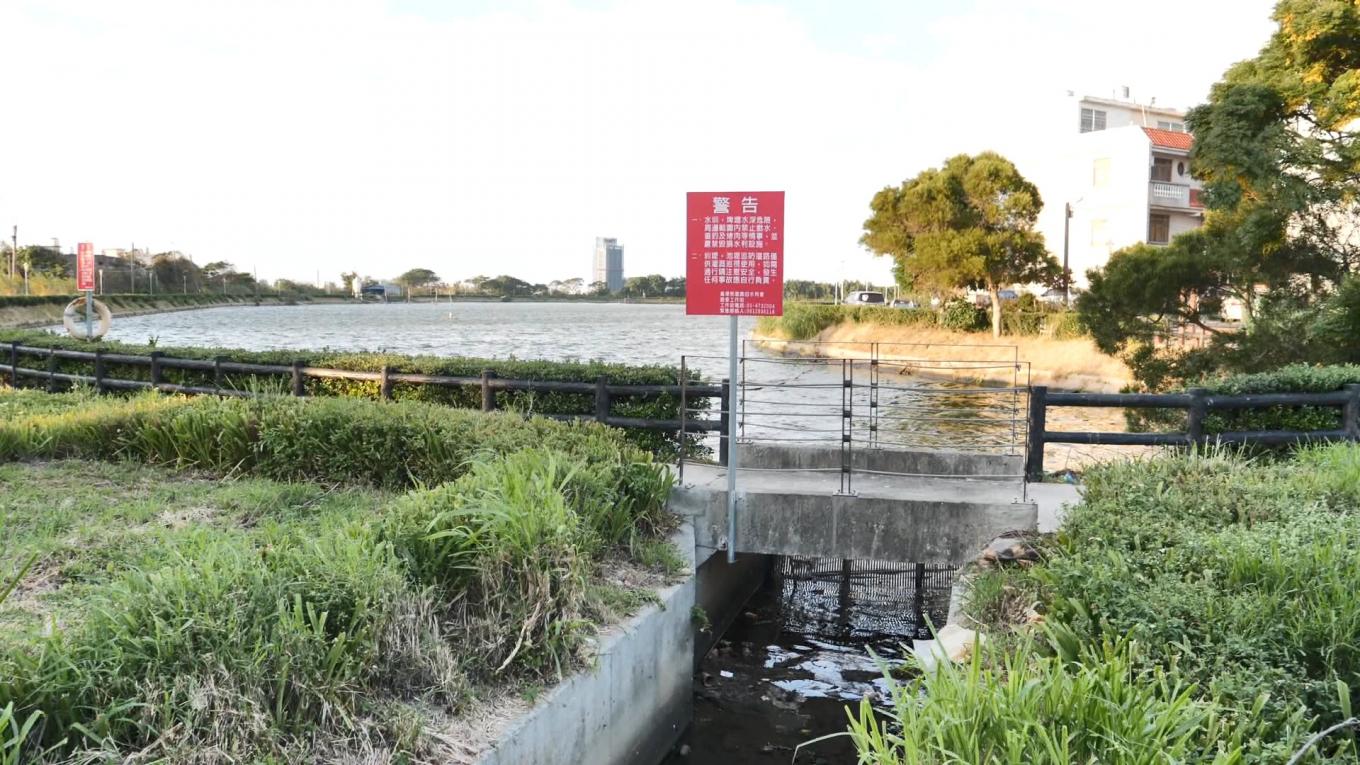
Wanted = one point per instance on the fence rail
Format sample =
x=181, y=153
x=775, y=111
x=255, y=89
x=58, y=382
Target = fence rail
x=1198, y=402
x=603, y=391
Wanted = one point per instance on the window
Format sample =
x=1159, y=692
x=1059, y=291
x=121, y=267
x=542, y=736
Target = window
x=1161, y=169
x=1099, y=237
x=1092, y=119
x=1175, y=127
x=1100, y=173
x=1159, y=228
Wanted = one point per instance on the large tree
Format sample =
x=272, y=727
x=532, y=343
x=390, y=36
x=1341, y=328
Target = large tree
x=1276, y=148
x=969, y=223
x=416, y=278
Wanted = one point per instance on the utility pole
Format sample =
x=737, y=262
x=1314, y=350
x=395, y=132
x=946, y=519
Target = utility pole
x=1067, y=274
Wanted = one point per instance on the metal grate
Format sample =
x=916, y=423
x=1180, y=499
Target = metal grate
x=860, y=601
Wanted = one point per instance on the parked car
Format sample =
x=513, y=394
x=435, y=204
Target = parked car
x=865, y=297
x=981, y=299
x=900, y=303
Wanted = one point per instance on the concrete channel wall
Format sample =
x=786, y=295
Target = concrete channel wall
x=632, y=706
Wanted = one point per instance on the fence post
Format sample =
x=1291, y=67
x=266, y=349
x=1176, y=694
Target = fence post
x=601, y=400
x=299, y=384
x=99, y=371
x=488, y=395
x=1350, y=415
x=1034, y=439
x=217, y=373
x=14, y=364
x=51, y=370
x=1199, y=407
x=385, y=383
x=156, y=368
x=726, y=404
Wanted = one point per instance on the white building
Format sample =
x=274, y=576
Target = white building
x=608, y=263
x=1128, y=182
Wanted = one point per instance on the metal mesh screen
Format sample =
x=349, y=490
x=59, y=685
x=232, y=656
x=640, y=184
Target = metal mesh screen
x=858, y=601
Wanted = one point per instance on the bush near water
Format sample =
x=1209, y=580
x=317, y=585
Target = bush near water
x=303, y=635
x=1294, y=378
x=661, y=407
x=1192, y=608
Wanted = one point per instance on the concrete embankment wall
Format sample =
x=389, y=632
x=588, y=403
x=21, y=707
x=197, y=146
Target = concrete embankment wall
x=631, y=707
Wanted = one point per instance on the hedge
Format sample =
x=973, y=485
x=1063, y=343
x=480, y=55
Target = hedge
x=662, y=407
x=1295, y=378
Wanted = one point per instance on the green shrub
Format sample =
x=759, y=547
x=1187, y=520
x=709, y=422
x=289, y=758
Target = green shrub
x=1023, y=322
x=1295, y=378
x=961, y=315
x=385, y=444
x=663, y=407
x=1065, y=325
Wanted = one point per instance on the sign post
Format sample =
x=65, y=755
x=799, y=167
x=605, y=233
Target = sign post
x=734, y=266
x=85, y=283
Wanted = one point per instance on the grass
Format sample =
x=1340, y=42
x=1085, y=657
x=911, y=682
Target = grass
x=210, y=588
x=1221, y=591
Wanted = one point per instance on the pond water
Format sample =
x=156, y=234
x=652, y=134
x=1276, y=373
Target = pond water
x=618, y=332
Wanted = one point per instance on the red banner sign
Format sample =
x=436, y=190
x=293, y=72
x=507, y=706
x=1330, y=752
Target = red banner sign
x=735, y=253
x=85, y=267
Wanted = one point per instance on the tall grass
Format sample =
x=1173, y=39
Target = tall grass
x=1025, y=708
x=252, y=650
x=1233, y=577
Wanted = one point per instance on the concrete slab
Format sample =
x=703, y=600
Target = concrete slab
x=890, y=517
x=1052, y=501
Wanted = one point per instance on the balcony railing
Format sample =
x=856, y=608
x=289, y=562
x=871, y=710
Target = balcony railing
x=1163, y=194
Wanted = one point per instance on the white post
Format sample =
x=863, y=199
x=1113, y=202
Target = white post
x=732, y=441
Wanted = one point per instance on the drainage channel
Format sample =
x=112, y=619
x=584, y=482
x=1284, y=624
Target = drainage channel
x=800, y=652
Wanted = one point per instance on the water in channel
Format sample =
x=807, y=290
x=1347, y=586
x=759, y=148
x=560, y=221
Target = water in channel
x=813, y=641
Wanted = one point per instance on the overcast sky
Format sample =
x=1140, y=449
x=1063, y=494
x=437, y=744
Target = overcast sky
x=503, y=137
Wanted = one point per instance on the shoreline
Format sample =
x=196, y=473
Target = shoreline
x=49, y=314
x=1068, y=365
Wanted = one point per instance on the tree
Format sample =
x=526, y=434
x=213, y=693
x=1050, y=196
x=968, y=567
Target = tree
x=969, y=223
x=416, y=278
x=1277, y=152
x=347, y=278
x=598, y=289
x=174, y=272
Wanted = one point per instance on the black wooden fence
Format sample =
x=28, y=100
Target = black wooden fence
x=298, y=372
x=1198, y=402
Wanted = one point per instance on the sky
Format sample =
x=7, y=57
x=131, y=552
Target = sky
x=301, y=138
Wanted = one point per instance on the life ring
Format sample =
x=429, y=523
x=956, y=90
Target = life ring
x=76, y=328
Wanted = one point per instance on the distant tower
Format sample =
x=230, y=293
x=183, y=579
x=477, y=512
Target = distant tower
x=609, y=263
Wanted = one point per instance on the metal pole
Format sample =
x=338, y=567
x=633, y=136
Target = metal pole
x=89, y=315
x=1067, y=279
x=732, y=441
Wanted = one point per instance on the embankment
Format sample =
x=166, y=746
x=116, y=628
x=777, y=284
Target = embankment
x=1069, y=364
x=22, y=312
